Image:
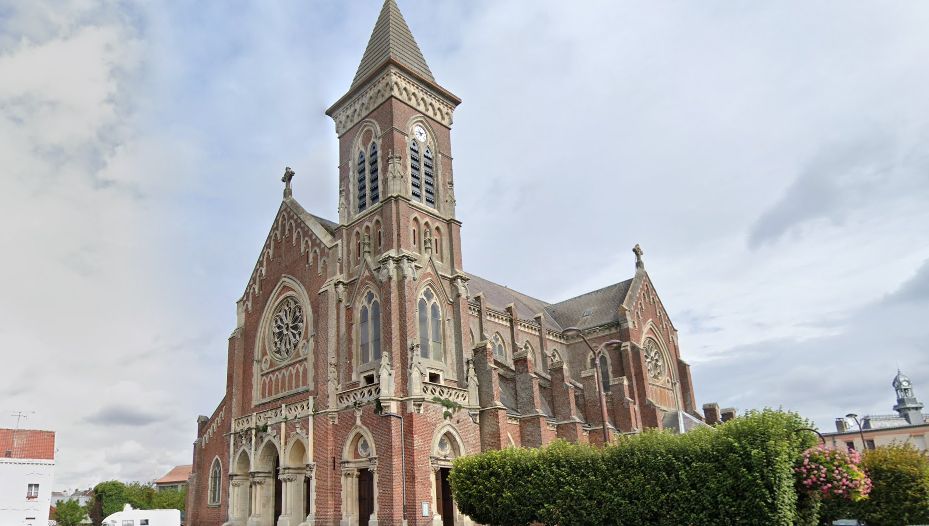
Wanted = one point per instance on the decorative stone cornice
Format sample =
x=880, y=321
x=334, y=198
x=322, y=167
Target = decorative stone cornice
x=392, y=83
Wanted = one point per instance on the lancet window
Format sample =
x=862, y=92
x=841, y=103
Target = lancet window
x=369, y=329
x=416, y=179
x=430, y=327
x=361, y=183
x=373, y=183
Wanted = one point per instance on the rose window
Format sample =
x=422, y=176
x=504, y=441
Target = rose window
x=286, y=328
x=654, y=360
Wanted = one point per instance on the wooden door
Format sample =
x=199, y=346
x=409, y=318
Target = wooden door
x=278, y=492
x=444, y=503
x=365, y=496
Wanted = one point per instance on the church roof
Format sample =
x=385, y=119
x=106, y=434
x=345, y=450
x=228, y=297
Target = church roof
x=592, y=309
x=391, y=39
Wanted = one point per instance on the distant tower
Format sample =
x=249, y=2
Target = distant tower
x=907, y=405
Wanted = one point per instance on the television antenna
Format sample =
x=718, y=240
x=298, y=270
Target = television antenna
x=20, y=416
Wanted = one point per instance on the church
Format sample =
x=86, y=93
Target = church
x=365, y=359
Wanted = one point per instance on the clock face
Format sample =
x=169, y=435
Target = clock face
x=420, y=133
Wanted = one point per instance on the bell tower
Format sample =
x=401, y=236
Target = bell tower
x=395, y=162
x=908, y=406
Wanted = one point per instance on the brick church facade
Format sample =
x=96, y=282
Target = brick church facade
x=365, y=359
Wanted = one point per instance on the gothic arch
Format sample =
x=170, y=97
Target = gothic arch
x=296, y=453
x=215, y=482
x=266, y=454
x=374, y=309
x=287, y=287
x=242, y=463
x=499, y=347
x=350, y=448
x=430, y=324
x=606, y=374
x=457, y=447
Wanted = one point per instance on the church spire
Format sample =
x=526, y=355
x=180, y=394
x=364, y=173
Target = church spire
x=391, y=40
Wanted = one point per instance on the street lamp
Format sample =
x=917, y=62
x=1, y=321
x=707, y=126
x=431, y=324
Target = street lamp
x=853, y=416
x=598, y=352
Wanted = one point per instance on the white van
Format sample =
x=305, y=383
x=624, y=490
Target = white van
x=131, y=517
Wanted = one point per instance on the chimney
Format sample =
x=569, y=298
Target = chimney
x=841, y=425
x=711, y=413
x=728, y=414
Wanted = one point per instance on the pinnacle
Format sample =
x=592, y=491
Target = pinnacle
x=391, y=39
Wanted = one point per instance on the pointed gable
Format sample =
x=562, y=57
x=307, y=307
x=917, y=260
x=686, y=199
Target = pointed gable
x=391, y=40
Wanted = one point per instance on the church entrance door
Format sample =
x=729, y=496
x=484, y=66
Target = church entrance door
x=444, y=503
x=278, y=491
x=365, y=496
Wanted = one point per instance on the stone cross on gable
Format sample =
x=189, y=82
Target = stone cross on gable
x=288, y=176
x=637, y=250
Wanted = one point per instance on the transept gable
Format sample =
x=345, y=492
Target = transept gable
x=293, y=227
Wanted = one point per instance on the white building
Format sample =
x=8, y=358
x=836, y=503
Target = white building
x=82, y=497
x=907, y=425
x=27, y=471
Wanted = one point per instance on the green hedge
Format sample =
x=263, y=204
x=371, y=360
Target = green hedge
x=738, y=473
x=900, y=486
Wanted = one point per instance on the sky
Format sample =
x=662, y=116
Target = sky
x=772, y=159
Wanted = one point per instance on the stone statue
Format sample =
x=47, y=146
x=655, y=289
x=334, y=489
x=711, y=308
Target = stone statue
x=386, y=377
x=416, y=374
x=472, y=385
x=343, y=206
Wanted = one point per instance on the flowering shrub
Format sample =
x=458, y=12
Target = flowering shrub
x=833, y=473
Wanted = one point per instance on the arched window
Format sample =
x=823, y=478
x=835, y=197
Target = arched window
x=499, y=347
x=416, y=180
x=216, y=477
x=369, y=329
x=429, y=185
x=362, y=184
x=430, y=327
x=378, y=240
x=604, y=371
x=372, y=174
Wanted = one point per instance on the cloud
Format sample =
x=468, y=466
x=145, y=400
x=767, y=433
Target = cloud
x=844, y=178
x=121, y=415
x=915, y=289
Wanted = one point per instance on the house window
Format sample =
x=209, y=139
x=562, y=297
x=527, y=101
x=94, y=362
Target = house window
x=850, y=446
x=215, y=482
x=499, y=347
x=869, y=444
x=369, y=329
x=32, y=491
x=128, y=522
x=416, y=181
x=372, y=175
x=361, y=183
x=143, y=522
x=430, y=327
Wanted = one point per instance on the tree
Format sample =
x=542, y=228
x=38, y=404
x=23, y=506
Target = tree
x=109, y=497
x=900, y=494
x=169, y=499
x=70, y=513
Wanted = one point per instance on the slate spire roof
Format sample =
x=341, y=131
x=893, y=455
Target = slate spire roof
x=391, y=39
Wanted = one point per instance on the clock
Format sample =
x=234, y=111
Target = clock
x=420, y=133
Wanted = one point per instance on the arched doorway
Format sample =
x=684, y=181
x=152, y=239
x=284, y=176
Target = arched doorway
x=267, y=497
x=359, y=478
x=446, y=447
x=239, y=506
